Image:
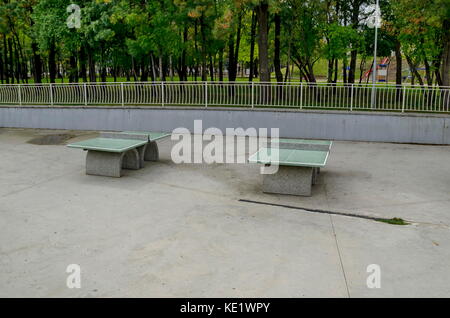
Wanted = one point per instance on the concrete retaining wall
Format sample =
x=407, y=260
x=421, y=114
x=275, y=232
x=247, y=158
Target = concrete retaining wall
x=337, y=125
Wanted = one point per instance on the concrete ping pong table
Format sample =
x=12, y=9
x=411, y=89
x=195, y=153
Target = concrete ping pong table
x=112, y=151
x=299, y=162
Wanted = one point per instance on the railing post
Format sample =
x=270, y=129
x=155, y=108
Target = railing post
x=253, y=94
x=85, y=94
x=351, y=97
x=403, y=98
x=121, y=95
x=20, y=95
x=51, y=94
x=301, y=95
x=374, y=93
x=206, y=94
x=162, y=94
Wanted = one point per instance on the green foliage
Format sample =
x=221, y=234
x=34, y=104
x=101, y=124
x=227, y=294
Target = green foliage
x=339, y=39
x=50, y=23
x=129, y=34
x=420, y=27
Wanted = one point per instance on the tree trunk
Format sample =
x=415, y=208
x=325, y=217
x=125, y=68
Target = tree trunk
x=428, y=75
x=330, y=69
x=91, y=63
x=114, y=73
x=203, y=35
x=276, y=59
x=170, y=68
x=437, y=68
x=398, y=70
x=5, y=59
x=23, y=63
x=211, y=67
x=161, y=71
x=233, y=52
x=133, y=69
x=362, y=65
x=263, y=46
x=351, y=71
x=221, y=66
x=196, y=51
x=37, y=62
x=428, y=72
x=445, y=76
x=354, y=54
x=52, y=62
x=183, y=67
x=310, y=73
x=73, y=73
x=398, y=60
x=445, y=71
x=102, y=64
x=11, y=61
x=153, y=72
x=288, y=73
x=238, y=42
x=370, y=72
x=344, y=71
x=414, y=70
x=82, y=58
x=103, y=74
x=144, y=73
x=1, y=69
x=151, y=68
x=231, y=59
x=18, y=64
x=336, y=62
x=252, y=45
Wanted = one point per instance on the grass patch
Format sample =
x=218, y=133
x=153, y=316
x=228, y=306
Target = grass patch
x=393, y=221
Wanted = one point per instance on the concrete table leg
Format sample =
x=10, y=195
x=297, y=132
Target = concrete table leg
x=151, y=153
x=315, y=176
x=131, y=160
x=289, y=180
x=102, y=163
x=141, y=150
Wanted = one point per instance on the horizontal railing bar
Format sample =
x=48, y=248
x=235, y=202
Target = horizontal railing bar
x=320, y=95
x=338, y=84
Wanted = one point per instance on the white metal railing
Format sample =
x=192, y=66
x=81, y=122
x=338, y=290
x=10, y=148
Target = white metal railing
x=387, y=97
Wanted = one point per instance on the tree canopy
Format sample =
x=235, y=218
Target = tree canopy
x=139, y=40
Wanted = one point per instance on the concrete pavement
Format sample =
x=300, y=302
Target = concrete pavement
x=181, y=231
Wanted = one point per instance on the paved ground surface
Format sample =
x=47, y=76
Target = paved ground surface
x=180, y=230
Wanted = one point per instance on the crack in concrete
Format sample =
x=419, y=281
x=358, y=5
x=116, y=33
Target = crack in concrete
x=340, y=257
x=337, y=244
x=360, y=216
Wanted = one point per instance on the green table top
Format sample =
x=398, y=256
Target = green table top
x=290, y=157
x=305, y=141
x=152, y=136
x=108, y=144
